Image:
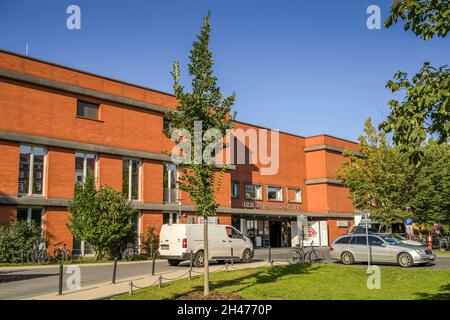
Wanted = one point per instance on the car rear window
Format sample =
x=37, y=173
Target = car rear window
x=343, y=240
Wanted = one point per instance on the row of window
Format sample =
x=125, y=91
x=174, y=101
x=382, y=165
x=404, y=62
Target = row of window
x=32, y=166
x=274, y=193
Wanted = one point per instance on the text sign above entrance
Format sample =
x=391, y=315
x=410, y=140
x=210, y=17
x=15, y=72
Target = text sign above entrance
x=274, y=206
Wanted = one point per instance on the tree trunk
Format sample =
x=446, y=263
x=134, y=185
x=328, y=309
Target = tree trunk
x=206, y=257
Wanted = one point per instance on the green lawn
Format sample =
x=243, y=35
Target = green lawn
x=312, y=282
x=442, y=253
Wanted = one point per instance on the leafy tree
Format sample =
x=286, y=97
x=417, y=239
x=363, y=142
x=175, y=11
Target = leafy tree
x=205, y=105
x=383, y=182
x=103, y=218
x=425, y=109
x=426, y=18
x=430, y=191
x=377, y=177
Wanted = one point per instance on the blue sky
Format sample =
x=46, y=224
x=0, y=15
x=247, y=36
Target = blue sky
x=305, y=67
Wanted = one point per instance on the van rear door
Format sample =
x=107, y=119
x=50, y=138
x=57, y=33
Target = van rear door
x=171, y=240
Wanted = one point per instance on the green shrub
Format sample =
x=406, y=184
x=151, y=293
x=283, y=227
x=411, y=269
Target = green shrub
x=150, y=241
x=17, y=240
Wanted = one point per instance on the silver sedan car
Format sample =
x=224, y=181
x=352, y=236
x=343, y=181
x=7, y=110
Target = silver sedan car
x=382, y=248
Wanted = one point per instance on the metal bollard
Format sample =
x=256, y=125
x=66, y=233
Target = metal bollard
x=232, y=257
x=130, y=288
x=271, y=263
x=270, y=253
x=114, y=271
x=153, y=263
x=61, y=273
x=160, y=281
x=226, y=267
x=190, y=265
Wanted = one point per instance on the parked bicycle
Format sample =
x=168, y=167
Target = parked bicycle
x=133, y=251
x=62, y=253
x=39, y=253
x=308, y=255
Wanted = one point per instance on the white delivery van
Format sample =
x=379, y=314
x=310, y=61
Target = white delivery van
x=176, y=241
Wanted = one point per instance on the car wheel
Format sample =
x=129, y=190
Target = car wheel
x=246, y=256
x=405, y=260
x=199, y=259
x=347, y=258
x=173, y=263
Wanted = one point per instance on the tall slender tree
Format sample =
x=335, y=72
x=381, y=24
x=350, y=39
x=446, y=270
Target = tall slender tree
x=207, y=108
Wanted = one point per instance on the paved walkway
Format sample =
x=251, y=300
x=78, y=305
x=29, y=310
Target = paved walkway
x=107, y=289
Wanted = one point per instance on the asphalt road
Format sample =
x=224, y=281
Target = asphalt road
x=26, y=282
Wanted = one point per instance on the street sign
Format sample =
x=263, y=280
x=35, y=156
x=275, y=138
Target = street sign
x=409, y=229
x=409, y=221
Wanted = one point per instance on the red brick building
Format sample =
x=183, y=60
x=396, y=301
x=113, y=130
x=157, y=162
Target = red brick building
x=57, y=122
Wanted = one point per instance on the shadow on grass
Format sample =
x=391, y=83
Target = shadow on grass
x=444, y=294
x=266, y=276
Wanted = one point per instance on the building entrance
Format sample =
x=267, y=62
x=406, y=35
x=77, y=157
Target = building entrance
x=264, y=233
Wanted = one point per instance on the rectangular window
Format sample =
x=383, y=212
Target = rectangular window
x=166, y=124
x=87, y=110
x=84, y=162
x=31, y=170
x=274, y=193
x=253, y=192
x=170, y=218
x=30, y=215
x=170, y=183
x=294, y=194
x=130, y=178
x=235, y=190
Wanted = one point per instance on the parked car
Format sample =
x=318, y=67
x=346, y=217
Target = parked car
x=178, y=240
x=383, y=248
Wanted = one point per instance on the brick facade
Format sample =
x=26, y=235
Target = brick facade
x=47, y=111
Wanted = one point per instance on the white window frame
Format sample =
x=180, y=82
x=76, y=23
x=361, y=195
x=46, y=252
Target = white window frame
x=279, y=192
x=30, y=193
x=257, y=198
x=130, y=174
x=235, y=186
x=29, y=210
x=171, y=216
x=298, y=193
x=169, y=185
x=85, y=164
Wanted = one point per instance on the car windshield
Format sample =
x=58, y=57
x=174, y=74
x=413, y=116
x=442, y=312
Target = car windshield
x=391, y=240
x=398, y=237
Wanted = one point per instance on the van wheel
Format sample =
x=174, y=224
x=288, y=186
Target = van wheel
x=199, y=259
x=173, y=263
x=246, y=256
x=405, y=260
x=347, y=258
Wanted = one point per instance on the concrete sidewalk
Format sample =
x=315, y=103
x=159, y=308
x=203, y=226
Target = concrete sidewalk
x=107, y=289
